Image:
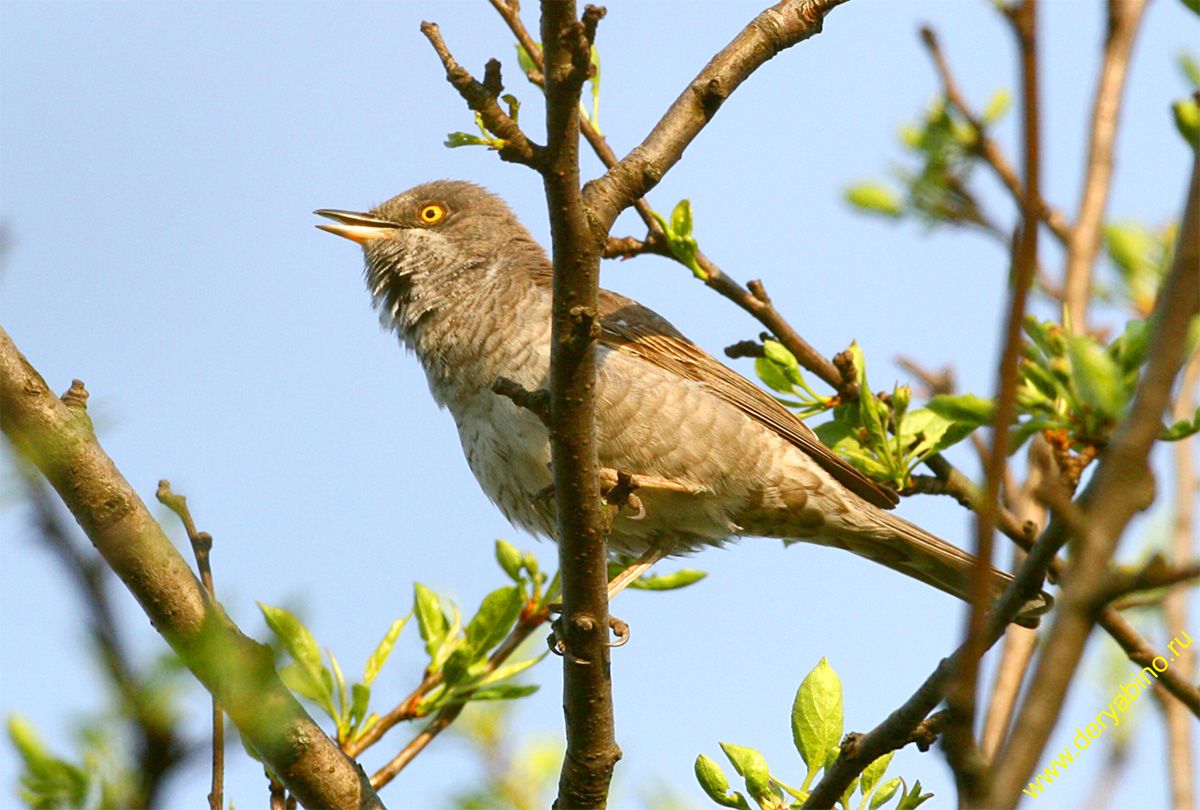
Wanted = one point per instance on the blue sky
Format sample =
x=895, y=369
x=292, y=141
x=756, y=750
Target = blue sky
x=160, y=162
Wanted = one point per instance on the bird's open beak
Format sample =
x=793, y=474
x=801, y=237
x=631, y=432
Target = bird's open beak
x=361, y=228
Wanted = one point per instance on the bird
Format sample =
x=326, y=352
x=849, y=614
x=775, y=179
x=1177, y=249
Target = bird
x=466, y=287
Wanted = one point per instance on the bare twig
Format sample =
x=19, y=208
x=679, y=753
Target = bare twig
x=1120, y=487
x=1123, y=19
x=897, y=730
x=202, y=547
x=57, y=437
x=481, y=97
x=988, y=149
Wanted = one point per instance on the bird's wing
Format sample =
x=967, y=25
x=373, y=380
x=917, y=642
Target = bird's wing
x=629, y=327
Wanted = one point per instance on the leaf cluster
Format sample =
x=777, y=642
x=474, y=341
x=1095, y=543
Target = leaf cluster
x=817, y=721
x=877, y=433
x=1072, y=387
x=458, y=653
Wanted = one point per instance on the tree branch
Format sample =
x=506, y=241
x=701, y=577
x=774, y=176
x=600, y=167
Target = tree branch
x=481, y=97
x=592, y=750
x=57, y=437
x=988, y=149
x=959, y=741
x=1120, y=487
x=1123, y=19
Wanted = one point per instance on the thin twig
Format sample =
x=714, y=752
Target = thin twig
x=202, y=547
x=481, y=97
x=1123, y=19
x=961, y=749
x=532, y=618
x=988, y=149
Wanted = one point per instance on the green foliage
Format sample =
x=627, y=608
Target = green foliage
x=485, y=138
x=657, y=582
x=1140, y=258
x=103, y=772
x=945, y=146
x=881, y=436
x=460, y=654
x=679, y=237
x=520, y=774
x=780, y=370
x=1072, y=386
x=817, y=733
x=48, y=781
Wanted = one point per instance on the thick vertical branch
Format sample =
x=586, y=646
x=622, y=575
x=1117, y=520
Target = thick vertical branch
x=1121, y=486
x=56, y=435
x=582, y=524
x=961, y=750
x=1123, y=19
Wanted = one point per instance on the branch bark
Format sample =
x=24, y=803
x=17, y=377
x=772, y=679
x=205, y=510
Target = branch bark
x=592, y=751
x=57, y=437
x=1121, y=486
x=1123, y=19
x=962, y=751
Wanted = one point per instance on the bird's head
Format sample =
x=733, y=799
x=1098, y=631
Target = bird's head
x=433, y=240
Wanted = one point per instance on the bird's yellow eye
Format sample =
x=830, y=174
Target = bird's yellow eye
x=432, y=213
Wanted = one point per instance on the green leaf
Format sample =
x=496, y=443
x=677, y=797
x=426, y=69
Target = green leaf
x=997, y=106
x=1181, y=429
x=378, y=658
x=712, y=780
x=1129, y=349
x=509, y=670
x=456, y=139
x=1189, y=67
x=525, y=60
x=884, y=793
x=668, y=582
x=965, y=409
x=361, y=697
x=509, y=559
x=751, y=765
x=1095, y=377
x=495, y=618
x=874, y=772
x=502, y=691
x=308, y=674
x=774, y=376
x=873, y=198
x=912, y=800
x=1193, y=5
x=1187, y=120
x=681, y=219
x=450, y=642
x=457, y=665
x=431, y=621
x=935, y=432
x=304, y=682
x=817, y=714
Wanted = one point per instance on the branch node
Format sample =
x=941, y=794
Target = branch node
x=76, y=396
x=745, y=348
x=537, y=402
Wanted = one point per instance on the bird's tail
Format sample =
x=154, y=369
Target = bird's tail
x=905, y=547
